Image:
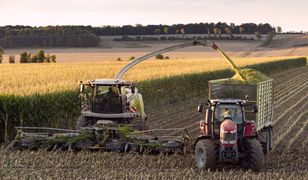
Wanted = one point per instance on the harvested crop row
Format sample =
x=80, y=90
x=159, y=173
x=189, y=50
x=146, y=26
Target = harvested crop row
x=279, y=91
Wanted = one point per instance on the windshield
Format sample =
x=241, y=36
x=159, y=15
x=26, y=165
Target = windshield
x=107, y=99
x=233, y=110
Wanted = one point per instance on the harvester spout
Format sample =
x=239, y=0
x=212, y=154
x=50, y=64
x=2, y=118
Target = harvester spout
x=152, y=54
x=234, y=67
x=179, y=46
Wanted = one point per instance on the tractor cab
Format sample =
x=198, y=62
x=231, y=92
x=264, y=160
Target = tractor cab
x=227, y=110
x=219, y=110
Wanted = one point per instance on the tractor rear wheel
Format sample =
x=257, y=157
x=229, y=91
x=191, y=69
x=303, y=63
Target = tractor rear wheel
x=205, y=154
x=83, y=121
x=254, y=155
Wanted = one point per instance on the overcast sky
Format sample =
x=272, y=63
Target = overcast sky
x=290, y=15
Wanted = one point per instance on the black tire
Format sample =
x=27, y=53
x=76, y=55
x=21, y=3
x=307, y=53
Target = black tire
x=145, y=126
x=84, y=122
x=267, y=144
x=206, y=154
x=140, y=124
x=270, y=134
x=254, y=155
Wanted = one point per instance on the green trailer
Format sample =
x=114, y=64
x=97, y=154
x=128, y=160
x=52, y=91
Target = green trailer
x=259, y=94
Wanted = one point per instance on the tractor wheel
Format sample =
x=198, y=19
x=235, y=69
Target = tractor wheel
x=84, y=122
x=205, y=154
x=254, y=155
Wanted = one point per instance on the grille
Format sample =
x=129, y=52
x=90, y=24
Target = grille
x=229, y=137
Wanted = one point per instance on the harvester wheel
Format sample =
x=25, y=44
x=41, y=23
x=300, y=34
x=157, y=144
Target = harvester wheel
x=83, y=122
x=205, y=154
x=140, y=124
x=254, y=155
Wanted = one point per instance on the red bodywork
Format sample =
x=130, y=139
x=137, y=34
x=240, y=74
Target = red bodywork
x=203, y=128
x=228, y=125
x=249, y=128
x=228, y=128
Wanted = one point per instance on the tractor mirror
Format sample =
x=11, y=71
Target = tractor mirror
x=200, y=108
x=133, y=89
x=254, y=109
x=81, y=87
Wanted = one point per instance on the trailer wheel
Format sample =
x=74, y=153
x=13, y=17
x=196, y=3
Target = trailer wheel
x=265, y=145
x=83, y=122
x=267, y=142
x=205, y=154
x=254, y=155
x=270, y=134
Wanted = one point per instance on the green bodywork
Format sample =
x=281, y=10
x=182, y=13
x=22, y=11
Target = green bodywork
x=98, y=137
x=137, y=102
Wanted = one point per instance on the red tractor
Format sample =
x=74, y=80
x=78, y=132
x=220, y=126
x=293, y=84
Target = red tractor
x=235, y=130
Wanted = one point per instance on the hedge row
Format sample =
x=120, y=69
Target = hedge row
x=62, y=109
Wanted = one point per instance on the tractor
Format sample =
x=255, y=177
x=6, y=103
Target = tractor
x=237, y=127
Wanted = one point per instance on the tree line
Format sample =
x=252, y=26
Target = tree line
x=88, y=36
x=196, y=28
x=50, y=36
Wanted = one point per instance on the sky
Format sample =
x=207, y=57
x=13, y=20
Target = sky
x=290, y=15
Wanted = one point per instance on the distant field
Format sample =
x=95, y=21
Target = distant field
x=108, y=50
x=25, y=79
x=112, y=50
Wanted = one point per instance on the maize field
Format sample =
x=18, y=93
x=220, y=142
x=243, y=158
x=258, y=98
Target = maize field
x=28, y=79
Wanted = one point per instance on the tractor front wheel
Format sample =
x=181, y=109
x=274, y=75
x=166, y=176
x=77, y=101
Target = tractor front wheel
x=254, y=155
x=205, y=154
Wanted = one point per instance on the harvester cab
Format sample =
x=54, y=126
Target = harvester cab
x=110, y=101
